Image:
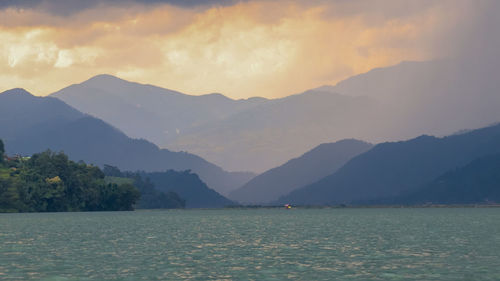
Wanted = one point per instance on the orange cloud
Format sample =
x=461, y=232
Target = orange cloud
x=243, y=50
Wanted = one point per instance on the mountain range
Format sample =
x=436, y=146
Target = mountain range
x=312, y=166
x=149, y=112
x=394, y=169
x=32, y=124
x=257, y=134
x=236, y=134
x=380, y=106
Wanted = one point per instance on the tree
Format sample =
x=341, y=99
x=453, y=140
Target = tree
x=9, y=197
x=50, y=182
x=112, y=171
x=2, y=151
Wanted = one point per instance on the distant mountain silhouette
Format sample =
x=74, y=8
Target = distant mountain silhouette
x=254, y=134
x=393, y=169
x=315, y=164
x=32, y=124
x=384, y=104
x=476, y=182
x=433, y=97
x=189, y=187
x=390, y=103
x=145, y=111
x=272, y=133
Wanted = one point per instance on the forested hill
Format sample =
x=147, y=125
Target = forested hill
x=169, y=189
x=50, y=182
x=151, y=196
x=189, y=186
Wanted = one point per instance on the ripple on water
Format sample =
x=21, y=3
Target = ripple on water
x=269, y=244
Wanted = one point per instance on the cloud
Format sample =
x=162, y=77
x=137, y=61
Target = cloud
x=71, y=7
x=238, y=48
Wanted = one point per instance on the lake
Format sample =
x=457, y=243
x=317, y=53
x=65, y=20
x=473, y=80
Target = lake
x=253, y=244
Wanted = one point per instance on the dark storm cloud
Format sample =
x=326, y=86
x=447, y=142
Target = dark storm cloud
x=68, y=7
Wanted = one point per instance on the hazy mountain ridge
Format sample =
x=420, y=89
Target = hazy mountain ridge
x=86, y=138
x=313, y=165
x=240, y=134
x=271, y=133
x=431, y=97
x=392, y=169
x=392, y=103
x=147, y=111
x=384, y=104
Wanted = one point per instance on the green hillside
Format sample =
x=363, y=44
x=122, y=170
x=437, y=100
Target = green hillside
x=50, y=182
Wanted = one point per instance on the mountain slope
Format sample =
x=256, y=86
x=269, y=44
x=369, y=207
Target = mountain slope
x=391, y=169
x=432, y=97
x=315, y=164
x=20, y=112
x=145, y=111
x=476, y=182
x=271, y=133
x=54, y=125
x=390, y=103
x=189, y=187
x=254, y=134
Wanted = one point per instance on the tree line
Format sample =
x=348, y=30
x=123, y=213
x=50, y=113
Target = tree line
x=50, y=182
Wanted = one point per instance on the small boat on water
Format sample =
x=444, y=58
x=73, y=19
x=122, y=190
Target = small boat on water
x=288, y=206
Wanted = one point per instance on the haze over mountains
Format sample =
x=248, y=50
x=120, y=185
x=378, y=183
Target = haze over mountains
x=32, y=124
x=253, y=134
x=393, y=103
x=312, y=166
x=396, y=168
x=146, y=111
x=418, y=170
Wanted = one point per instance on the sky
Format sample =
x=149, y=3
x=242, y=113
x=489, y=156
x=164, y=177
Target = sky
x=238, y=48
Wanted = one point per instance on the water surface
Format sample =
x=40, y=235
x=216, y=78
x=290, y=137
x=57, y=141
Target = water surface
x=258, y=244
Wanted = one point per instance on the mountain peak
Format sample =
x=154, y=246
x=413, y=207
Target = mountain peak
x=218, y=95
x=17, y=92
x=104, y=78
x=215, y=96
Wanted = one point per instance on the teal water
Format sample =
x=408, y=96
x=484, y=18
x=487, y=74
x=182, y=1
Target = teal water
x=260, y=244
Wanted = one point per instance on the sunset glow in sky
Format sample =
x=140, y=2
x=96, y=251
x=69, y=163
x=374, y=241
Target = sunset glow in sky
x=238, y=48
